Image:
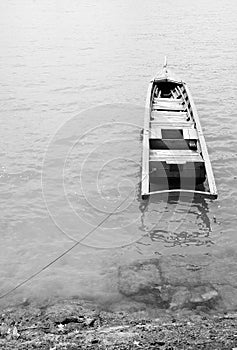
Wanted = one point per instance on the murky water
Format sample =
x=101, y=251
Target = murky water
x=73, y=84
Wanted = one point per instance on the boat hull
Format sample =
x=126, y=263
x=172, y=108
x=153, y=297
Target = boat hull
x=174, y=148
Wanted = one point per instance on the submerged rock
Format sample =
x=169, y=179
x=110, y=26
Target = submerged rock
x=142, y=281
x=173, y=282
x=203, y=295
x=180, y=298
x=135, y=277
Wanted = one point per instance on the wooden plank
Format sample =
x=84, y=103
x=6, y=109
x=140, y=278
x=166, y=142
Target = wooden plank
x=169, y=119
x=167, y=107
x=177, y=156
x=168, y=102
x=168, y=113
x=156, y=133
x=177, y=161
x=158, y=116
x=172, y=100
x=190, y=134
x=172, y=124
x=184, y=152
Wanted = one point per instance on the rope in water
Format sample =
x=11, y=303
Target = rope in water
x=67, y=250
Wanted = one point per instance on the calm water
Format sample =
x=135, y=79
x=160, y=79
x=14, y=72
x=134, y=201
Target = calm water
x=73, y=84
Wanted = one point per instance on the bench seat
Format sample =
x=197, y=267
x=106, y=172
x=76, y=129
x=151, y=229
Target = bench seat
x=175, y=156
x=171, y=124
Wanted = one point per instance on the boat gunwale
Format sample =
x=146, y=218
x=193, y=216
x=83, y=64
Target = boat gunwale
x=205, y=155
x=145, y=153
x=185, y=191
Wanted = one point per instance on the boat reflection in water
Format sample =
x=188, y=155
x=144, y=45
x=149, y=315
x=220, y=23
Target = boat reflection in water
x=176, y=220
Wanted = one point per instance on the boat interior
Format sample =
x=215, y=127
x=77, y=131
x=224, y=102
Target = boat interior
x=171, y=118
x=173, y=140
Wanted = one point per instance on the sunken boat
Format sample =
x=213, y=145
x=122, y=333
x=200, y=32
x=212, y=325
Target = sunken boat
x=175, y=158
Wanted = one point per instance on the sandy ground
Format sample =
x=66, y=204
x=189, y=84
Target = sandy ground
x=73, y=324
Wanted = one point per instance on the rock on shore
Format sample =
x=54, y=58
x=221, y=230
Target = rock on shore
x=73, y=324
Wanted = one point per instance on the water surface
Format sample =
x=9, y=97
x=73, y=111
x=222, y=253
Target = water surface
x=60, y=58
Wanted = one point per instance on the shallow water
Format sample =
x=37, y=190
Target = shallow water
x=73, y=85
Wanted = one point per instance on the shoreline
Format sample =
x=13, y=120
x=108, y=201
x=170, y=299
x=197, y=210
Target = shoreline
x=72, y=324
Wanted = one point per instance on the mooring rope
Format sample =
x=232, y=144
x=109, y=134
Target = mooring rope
x=69, y=249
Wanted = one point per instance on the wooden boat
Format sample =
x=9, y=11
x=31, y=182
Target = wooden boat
x=175, y=158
